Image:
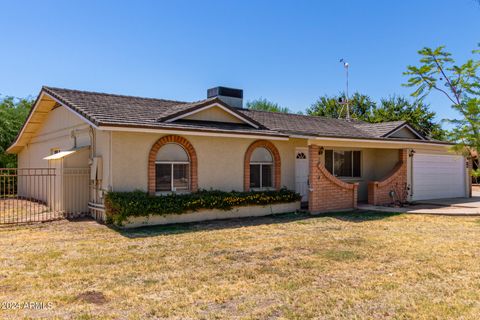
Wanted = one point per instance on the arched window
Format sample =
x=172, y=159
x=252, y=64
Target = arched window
x=261, y=169
x=172, y=167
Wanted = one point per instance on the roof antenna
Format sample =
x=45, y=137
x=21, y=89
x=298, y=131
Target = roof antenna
x=346, y=102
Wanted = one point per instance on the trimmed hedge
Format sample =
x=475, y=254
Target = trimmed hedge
x=121, y=205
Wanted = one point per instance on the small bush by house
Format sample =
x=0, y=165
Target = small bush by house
x=121, y=205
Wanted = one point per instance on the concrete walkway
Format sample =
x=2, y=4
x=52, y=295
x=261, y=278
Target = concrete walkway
x=453, y=207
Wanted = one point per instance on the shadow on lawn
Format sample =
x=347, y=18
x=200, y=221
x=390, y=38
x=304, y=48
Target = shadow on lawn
x=151, y=231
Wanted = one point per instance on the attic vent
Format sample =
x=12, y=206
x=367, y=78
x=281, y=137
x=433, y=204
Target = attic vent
x=232, y=97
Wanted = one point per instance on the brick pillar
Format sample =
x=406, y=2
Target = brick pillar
x=403, y=155
x=313, y=179
x=355, y=196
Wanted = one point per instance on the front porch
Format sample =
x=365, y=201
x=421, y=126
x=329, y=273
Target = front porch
x=342, y=177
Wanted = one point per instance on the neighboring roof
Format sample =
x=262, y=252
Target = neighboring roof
x=113, y=110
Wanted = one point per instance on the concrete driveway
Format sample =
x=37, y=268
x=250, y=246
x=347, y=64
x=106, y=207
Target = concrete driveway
x=473, y=202
x=454, y=206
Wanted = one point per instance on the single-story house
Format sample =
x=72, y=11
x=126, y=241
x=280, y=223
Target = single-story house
x=161, y=146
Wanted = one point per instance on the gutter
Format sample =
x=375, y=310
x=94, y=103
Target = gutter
x=391, y=141
x=195, y=132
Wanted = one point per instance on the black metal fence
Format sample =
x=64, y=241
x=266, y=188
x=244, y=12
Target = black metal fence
x=29, y=195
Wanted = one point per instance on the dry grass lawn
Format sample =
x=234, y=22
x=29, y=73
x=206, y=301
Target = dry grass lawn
x=344, y=266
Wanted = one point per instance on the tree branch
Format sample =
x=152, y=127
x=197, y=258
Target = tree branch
x=454, y=90
x=437, y=88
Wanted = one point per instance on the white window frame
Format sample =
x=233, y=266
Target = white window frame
x=262, y=188
x=333, y=162
x=172, y=188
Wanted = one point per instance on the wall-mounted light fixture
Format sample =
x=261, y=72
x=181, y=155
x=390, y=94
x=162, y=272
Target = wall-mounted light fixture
x=411, y=153
x=320, y=151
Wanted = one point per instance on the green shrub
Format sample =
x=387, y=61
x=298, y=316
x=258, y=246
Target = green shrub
x=121, y=205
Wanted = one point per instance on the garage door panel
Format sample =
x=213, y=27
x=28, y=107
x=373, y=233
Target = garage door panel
x=438, y=176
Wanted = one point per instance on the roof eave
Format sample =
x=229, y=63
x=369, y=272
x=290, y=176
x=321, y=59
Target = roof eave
x=384, y=140
x=14, y=148
x=132, y=127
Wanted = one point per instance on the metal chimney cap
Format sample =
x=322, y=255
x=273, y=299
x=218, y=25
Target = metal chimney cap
x=224, y=91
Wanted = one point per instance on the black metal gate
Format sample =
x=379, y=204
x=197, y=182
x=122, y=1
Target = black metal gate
x=29, y=195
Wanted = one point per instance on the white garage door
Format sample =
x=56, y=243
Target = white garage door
x=438, y=176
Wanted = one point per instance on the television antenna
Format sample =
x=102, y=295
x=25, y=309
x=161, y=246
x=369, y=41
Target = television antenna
x=346, y=102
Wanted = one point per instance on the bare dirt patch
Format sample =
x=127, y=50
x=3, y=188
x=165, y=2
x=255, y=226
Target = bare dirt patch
x=94, y=297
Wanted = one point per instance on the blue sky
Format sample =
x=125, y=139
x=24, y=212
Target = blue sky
x=285, y=51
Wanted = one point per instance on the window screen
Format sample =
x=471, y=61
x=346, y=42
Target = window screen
x=163, y=177
x=343, y=163
x=255, y=176
x=267, y=176
x=180, y=176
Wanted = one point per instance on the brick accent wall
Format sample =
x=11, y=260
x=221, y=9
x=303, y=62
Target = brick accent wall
x=326, y=192
x=379, y=191
x=277, y=164
x=191, y=154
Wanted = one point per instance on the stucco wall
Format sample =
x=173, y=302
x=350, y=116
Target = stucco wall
x=404, y=133
x=213, y=214
x=213, y=114
x=54, y=133
x=102, y=149
x=71, y=190
x=220, y=160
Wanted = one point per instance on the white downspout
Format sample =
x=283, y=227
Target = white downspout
x=110, y=166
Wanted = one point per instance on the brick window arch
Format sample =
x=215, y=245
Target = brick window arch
x=192, y=155
x=276, y=163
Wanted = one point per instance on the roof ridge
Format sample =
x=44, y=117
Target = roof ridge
x=384, y=122
x=194, y=102
x=113, y=94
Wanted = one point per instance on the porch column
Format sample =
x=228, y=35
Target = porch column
x=313, y=179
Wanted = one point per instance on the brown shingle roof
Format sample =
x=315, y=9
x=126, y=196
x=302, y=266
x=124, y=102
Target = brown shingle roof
x=380, y=129
x=121, y=110
x=307, y=125
x=112, y=108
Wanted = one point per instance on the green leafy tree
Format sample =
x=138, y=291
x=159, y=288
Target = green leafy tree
x=265, y=105
x=460, y=84
x=476, y=175
x=362, y=107
x=13, y=113
x=416, y=113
